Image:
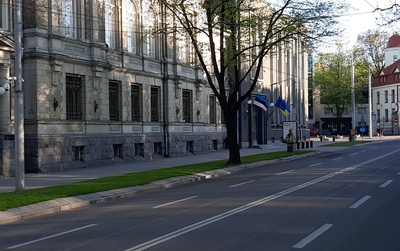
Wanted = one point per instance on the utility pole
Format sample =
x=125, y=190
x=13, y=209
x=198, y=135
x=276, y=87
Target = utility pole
x=19, y=157
x=353, y=98
x=369, y=105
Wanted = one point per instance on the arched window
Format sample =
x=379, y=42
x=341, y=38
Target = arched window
x=111, y=23
x=149, y=34
x=73, y=18
x=131, y=25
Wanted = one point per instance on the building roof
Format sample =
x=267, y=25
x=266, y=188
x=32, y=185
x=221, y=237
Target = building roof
x=394, y=41
x=387, y=75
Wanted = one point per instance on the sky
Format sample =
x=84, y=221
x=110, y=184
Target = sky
x=363, y=17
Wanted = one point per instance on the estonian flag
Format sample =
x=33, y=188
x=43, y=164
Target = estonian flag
x=261, y=102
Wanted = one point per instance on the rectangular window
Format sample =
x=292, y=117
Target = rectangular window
x=77, y=152
x=139, y=149
x=155, y=104
x=362, y=110
x=114, y=101
x=393, y=96
x=74, y=98
x=158, y=148
x=136, y=102
x=378, y=100
x=117, y=149
x=189, y=147
x=386, y=118
x=213, y=110
x=187, y=106
x=386, y=96
x=5, y=15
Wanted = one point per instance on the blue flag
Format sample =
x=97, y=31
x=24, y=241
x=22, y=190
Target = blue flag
x=261, y=102
x=285, y=107
x=281, y=104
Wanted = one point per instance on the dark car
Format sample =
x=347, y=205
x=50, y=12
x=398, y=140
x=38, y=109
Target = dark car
x=314, y=131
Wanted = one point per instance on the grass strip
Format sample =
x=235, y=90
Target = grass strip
x=27, y=197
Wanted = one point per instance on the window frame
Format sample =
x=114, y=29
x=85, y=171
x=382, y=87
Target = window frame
x=187, y=106
x=136, y=104
x=213, y=109
x=155, y=104
x=74, y=97
x=114, y=98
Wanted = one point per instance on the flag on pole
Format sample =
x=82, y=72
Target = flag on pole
x=261, y=102
x=281, y=104
x=285, y=107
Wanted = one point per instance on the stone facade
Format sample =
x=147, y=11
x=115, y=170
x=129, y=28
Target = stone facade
x=101, y=85
x=54, y=142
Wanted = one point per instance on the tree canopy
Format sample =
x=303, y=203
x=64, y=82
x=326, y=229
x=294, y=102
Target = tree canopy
x=231, y=38
x=371, y=45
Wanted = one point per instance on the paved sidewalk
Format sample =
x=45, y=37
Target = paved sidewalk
x=33, y=181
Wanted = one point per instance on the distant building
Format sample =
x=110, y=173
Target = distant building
x=386, y=90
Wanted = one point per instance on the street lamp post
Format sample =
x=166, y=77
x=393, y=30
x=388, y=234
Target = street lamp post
x=19, y=157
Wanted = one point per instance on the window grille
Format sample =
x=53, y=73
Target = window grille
x=114, y=101
x=187, y=106
x=74, y=98
x=77, y=152
x=154, y=99
x=136, y=102
x=213, y=116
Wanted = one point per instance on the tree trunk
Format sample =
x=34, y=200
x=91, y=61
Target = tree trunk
x=232, y=139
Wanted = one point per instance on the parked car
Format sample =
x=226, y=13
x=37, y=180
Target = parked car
x=314, y=131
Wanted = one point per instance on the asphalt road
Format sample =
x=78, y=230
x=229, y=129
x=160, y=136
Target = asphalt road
x=342, y=200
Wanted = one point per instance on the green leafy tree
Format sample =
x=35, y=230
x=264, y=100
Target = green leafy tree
x=333, y=81
x=238, y=35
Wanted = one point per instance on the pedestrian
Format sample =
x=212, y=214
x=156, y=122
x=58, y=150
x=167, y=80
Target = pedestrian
x=289, y=137
x=378, y=132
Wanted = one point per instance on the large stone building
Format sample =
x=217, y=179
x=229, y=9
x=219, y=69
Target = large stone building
x=100, y=86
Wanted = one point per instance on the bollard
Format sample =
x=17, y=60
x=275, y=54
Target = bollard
x=334, y=138
x=307, y=144
x=302, y=145
x=311, y=143
x=320, y=137
x=298, y=144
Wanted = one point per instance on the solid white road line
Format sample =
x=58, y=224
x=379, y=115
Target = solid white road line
x=284, y=172
x=203, y=223
x=174, y=202
x=52, y=236
x=312, y=236
x=338, y=158
x=240, y=184
x=353, y=154
x=360, y=201
x=316, y=164
x=386, y=183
